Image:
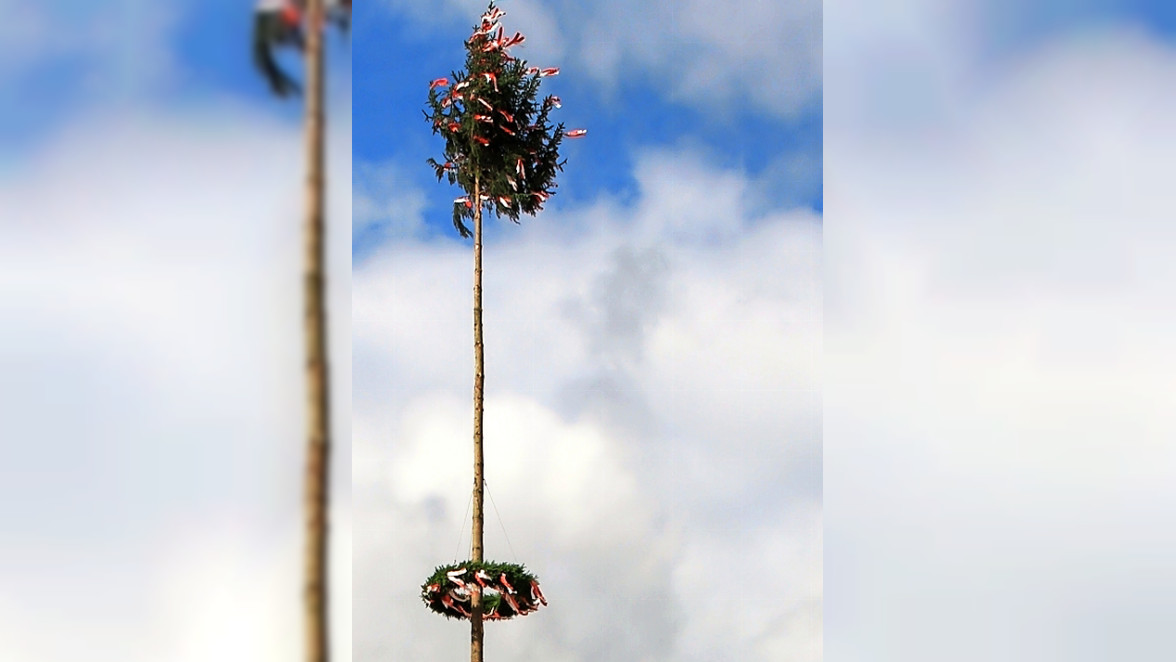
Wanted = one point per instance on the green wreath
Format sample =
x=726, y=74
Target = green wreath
x=507, y=589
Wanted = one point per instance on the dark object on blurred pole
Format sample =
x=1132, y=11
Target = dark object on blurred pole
x=278, y=23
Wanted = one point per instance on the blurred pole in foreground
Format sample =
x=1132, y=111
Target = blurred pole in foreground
x=318, y=441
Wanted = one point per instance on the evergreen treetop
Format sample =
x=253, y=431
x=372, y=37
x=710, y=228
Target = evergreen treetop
x=500, y=146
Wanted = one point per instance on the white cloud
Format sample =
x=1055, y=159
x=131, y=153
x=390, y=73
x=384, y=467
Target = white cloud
x=715, y=57
x=652, y=426
x=719, y=58
x=151, y=453
x=383, y=201
x=998, y=408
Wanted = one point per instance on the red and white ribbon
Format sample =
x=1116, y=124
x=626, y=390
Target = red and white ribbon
x=492, y=15
x=502, y=578
x=448, y=602
x=517, y=39
x=513, y=603
x=536, y=592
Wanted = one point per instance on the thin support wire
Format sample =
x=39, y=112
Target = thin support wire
x=465, y=518
x=512, y=552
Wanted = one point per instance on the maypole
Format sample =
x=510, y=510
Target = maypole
x=503, y=152
x=476, y=631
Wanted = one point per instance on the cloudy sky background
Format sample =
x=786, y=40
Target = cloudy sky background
x=151, y=426
x=999, y=319
x=998, y=297
x=653, y=437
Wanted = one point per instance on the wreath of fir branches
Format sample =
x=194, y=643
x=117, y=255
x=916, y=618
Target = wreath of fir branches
x=508, y=590
x=499, y=144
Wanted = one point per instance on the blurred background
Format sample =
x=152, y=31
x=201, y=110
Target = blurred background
x=151, y=407
x=1000, y=310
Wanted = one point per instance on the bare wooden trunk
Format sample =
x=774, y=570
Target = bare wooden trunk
x=476, y=631
x=318, y=419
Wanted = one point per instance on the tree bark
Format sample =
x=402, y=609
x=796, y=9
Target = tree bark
x=476, y=630
x=318, y=420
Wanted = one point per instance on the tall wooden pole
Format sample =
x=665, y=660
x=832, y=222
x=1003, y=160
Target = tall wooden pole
x=318, y=419
x=476, y=631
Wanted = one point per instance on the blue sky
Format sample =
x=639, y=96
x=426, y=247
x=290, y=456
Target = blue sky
x=1010, y=26
x=397, y=52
